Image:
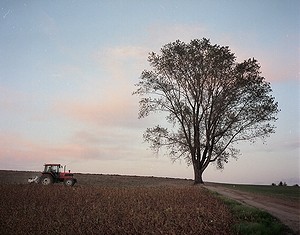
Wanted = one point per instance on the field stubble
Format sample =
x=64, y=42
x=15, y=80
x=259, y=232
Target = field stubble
x=87, y=209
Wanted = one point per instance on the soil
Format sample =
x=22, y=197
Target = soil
x=288, y=212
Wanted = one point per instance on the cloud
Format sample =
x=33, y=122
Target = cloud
x=17, y=147
x=83, y=146
x=275, y=69
x=114, y=111
x=295, y=144
x=126, y=62
x=277, y=63
x=290, y=144
x=68, y=71
x=13, y=101
x=105, y=98
x=122, y=62
x=127, y=52
x=85, y=137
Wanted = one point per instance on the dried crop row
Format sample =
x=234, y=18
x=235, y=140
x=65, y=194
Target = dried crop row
x=34, y=209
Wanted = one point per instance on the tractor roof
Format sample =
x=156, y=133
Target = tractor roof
x=51, y=164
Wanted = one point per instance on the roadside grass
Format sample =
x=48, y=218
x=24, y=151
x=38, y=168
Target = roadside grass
x=252, y=221
x=291, y=193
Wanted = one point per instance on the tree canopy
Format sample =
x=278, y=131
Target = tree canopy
x=211, y=100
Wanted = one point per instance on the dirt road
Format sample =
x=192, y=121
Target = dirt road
x=287, y=212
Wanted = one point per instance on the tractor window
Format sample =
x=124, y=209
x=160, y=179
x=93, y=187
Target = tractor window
x=49, y=168
x=55, y=169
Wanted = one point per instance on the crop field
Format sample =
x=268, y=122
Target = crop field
x=290, y=193
x=87, y=209
x=120, y=204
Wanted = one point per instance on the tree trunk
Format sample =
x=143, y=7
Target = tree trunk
x=198, y=175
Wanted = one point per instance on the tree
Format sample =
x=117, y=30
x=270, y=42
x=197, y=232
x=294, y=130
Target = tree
x=211, y=102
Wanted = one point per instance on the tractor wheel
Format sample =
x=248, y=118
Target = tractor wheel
x=69, y=182
x=47, y=180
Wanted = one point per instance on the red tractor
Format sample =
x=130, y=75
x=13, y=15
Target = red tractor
x=53, y=174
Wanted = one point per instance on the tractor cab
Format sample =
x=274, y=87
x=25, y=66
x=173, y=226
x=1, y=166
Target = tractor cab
x=52, y=169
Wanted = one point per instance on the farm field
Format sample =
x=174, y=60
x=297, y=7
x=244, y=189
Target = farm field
x=290, y=193
x=111, y=204
x=20, y=177
x=56, y=209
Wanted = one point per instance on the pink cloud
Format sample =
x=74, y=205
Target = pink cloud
x=274, y=70
x=21, y=153
x=17, y=147
x=13, y=101
x=114, y=110
x=86, y=137
x=276, y=65
x=122, y=62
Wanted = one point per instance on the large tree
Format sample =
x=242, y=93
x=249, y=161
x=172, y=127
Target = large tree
x=211, y=100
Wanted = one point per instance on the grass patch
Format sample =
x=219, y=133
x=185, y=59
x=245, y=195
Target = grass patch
x=283, y=192
x=249, y=220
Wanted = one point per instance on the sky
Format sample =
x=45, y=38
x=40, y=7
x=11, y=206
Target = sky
x=68, y=69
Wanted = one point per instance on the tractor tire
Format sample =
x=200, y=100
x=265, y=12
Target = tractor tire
x=69, y=182
x=46, y=180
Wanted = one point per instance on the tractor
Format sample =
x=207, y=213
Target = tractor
x=53, y=174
